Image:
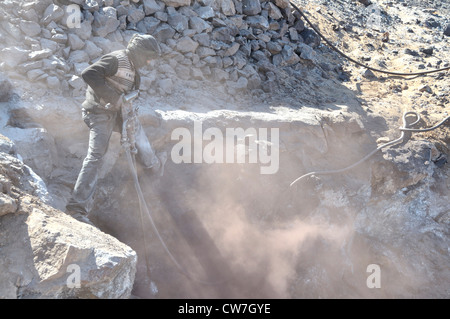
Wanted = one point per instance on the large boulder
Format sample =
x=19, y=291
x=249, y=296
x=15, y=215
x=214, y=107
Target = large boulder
x=48, y=254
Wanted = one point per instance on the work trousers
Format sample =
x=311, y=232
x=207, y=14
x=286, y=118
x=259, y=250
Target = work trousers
x=101, y=126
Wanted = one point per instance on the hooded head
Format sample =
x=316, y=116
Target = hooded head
x=142, y=48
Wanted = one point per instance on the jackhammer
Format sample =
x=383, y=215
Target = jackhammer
x=129, y=118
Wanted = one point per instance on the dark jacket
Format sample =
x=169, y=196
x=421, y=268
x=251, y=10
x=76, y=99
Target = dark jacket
x=99, y=92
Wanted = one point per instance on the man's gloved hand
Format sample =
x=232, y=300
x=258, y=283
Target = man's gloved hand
x=115, y=106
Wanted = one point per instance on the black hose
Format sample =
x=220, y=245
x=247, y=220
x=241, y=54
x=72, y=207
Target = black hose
x=144, y=210
x=405, y=128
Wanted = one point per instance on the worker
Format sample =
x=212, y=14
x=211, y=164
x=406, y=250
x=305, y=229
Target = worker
x=109, y=80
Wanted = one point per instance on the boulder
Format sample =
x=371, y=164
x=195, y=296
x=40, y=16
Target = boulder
x=30, y=28
x=258, y=21
x=75, y=42
x=310, y=37
x=48, y=254
x=178, y=21
x=164, y=32
x=227, y=7
x=251, y=7
x=283, y=4
x=105, y=21
x=53, y=13
x=135, y=14
x=151, y=7
x=186, y=44
x=274, y=11
x=40, y=54
x=28, y=141
x=205, y=12
x=75, y=260
x=198, y=24
x=52, y=256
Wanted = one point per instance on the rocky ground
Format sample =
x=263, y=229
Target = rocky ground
x=231, y=63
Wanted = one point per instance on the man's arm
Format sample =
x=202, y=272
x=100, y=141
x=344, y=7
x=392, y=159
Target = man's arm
x=95, y=76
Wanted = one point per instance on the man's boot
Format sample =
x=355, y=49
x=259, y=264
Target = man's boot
x=78, y=215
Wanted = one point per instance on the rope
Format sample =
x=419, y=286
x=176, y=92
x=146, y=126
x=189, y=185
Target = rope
x=357, y=62
x=405, y=128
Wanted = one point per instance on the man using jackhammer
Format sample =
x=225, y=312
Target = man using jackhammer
x=109, y=80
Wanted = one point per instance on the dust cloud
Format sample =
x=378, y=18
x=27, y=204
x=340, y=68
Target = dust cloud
x=241, y=234
x=245, y=241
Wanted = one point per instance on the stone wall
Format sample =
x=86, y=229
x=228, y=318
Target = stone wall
x=236, y=43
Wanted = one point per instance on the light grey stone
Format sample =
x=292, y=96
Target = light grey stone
x=259, y=22
x=49, y=44
x=52, y=13
x=41, y=54
x=283, y=4
x=251, y=7
x=75, y=42
x=135, y=14
x=186, y=44
x=205, y=12
x=105, y=21
x=30, y=28
x=177, y=3
x=274, y=11
x=227, y=7
x=164, y=32
x=152, y=6
x=198, y=24
x=205, y=51
x=178, y=21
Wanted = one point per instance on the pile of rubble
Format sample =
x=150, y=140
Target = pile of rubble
x=238, y=44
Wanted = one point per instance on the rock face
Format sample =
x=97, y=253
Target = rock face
x=48, y=254
x=410, y=194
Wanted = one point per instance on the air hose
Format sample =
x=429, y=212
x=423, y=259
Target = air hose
x=407, y=127
x=144, y=210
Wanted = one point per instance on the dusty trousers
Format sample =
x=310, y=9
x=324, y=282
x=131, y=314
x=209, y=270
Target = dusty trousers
x=101, y=126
